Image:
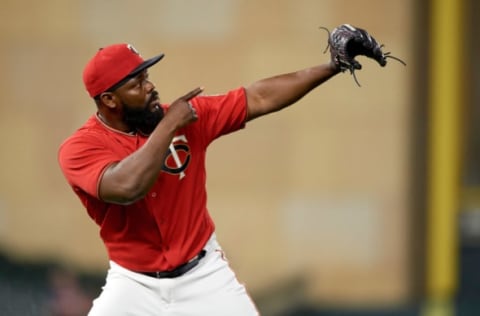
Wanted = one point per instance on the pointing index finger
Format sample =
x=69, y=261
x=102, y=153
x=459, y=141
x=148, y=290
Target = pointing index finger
x=190, y=95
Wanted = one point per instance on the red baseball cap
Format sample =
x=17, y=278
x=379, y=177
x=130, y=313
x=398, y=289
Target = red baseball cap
x=112, y=66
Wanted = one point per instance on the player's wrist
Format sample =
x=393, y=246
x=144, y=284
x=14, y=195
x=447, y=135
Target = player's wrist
x=168, y=125
x=334, y=66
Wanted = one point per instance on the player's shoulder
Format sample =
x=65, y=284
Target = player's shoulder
x=90, y=131
x=230, y=93
x=220, y=99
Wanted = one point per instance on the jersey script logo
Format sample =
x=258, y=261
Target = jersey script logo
x=178, y=157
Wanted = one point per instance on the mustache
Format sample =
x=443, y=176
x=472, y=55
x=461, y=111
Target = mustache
x=152, y=97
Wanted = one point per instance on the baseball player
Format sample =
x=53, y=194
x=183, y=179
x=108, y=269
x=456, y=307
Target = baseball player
x=138, y=167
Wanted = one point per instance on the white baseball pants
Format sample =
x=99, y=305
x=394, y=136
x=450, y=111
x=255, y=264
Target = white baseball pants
x=211, y=288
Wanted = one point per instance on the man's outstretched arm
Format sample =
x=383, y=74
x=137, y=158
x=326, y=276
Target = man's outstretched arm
x=275, y=93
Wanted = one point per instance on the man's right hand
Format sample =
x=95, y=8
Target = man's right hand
x=181, y=111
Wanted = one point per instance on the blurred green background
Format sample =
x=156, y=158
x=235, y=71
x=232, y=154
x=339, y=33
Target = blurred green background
x=355, y=201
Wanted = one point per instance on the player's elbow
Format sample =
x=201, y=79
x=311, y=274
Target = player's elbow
x=123, y=190
x=123, y=195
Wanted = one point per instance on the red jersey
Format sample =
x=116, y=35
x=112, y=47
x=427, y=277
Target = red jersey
x=171, y=224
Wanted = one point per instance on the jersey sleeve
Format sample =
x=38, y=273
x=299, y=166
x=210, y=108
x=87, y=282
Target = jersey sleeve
x=83, y=159
x=221, y=114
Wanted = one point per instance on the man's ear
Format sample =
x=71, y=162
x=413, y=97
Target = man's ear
x=108, y=99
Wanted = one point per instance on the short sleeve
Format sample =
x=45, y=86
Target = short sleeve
x=83, y=159
x=221, y=114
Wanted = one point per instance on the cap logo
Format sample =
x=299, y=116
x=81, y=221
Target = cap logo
x=133, y=49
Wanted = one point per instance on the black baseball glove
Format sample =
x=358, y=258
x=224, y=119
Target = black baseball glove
x=346, y=42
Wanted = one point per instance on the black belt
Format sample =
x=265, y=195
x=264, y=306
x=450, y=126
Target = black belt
x=180, y=270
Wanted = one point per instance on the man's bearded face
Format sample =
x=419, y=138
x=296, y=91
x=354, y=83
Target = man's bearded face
x=143, y=119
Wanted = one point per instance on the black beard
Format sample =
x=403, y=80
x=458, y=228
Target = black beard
x=142, y=120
